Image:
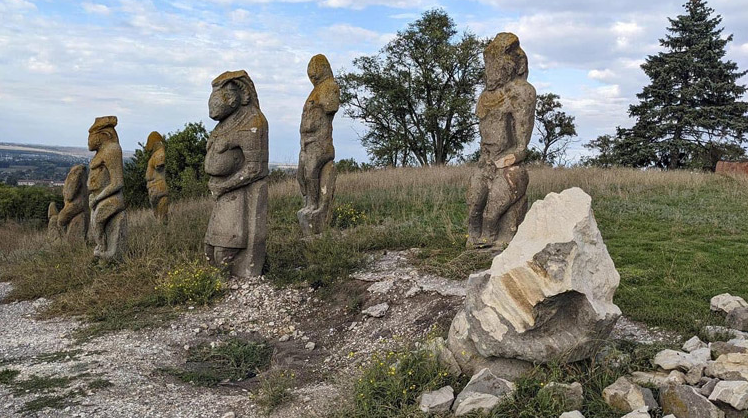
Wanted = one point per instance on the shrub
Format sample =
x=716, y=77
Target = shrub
x=193, y=283
x=275, y=389
x=347, y=216
x=234, y=360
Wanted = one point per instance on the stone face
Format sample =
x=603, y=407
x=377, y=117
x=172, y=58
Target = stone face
x=316, y=170
x=105, y=187
x=626, y=396
x=726, y=302
x=571, y=396
x=470, y=361
x=549, y=294
x=686, y=402
x=482, y=393
x=732, y=366
x=155, y=176
x=734, y=393
x=497, y=200
x=237, y=163
x=438, y=401
x=75, y=215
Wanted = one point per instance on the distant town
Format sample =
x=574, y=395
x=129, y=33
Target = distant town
x=42, y=165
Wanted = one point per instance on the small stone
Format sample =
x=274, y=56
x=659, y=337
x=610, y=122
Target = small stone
x=708, y=387
x=284, y=338
x=234, y=287
x=572, y=414
x=571, y=396
x=438, y=401
x=676, y=377
x=412, y=291
x=695, y=374
x=381, y=287
x=482, y=393
x=650, y=378
x=639, y=413
x=376, y=311
x=693, y=344
x=686, y=402
x=626, y=396
x=733, y=366
x=310, y=346
x=186, y=347
x=734, y=393
x=726, y=302
x=733, y=346
x=230, y=414
x=738, y=319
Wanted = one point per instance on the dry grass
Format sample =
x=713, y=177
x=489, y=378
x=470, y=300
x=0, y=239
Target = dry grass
x=676, y=237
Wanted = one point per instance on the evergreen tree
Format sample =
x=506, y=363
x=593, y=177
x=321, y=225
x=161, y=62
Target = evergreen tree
x=691, y=112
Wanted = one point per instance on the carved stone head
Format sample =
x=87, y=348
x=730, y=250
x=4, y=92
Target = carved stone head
x=52, y=210
x=505, y=60
x=231, y=90
x=318, y=69
x=102, y=131
x=76, y=179
x=154, y=142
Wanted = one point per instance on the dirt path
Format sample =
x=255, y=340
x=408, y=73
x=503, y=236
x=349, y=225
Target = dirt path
x=290, y=319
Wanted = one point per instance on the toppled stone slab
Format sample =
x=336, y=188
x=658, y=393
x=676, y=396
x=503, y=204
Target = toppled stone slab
x=482, y=393
x=734, y=393
x=549, y=294
x=677, y=360
x=438, y=401
x=650, y=378
x=686, y=402
x=726, y=302
x=627, y=397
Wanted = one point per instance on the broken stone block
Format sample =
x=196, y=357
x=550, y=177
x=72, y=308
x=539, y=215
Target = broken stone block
x=438, y=401
x=726, y=302
x=732, y=366
x=734, y=393
x=738, y=319
x=626, y=396
x=482, y=393
x=686, y=402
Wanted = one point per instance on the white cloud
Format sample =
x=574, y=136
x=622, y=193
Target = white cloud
x=602, y=75
x=95, y=8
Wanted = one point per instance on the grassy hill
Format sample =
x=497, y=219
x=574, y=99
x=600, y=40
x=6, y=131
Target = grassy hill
x=677, y=238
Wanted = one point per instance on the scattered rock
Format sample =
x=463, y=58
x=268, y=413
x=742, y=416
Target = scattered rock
x=676, y=377
x=686, y=402
x=732, y=346
x=708, y=387
x=693, y=377
x=571, y=396
x=626, y=396
x=284, y=338
x=381, y=287
x=572, y=414
x=376, y=311
x=738, y=318
x=639, y=413
x=650, y=378
x=550, y=292
x=229, y=414
x=732, y=366
x=482, y=393
x=716, y=332
x=726, y=302
x=734, y=393
x=310, y=346
x=694, y=344
x=438, y=401
x=677, y=360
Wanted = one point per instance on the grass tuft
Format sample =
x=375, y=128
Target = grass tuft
x=275, y=390
x=7, y=376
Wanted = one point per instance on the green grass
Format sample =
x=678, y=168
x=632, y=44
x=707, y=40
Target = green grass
x=235, y=360
x=49, y=401
x=275, y=390
x=37, y=384
x=7, y=376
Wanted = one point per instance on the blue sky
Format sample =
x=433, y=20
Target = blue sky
x=62, y=63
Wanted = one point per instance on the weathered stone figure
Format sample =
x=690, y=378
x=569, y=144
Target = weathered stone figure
x=237, y=162
x=75, y=216
x=53, y=231
x=155, y=176
x=316, y=171
x=105, y=183
x=506, y=111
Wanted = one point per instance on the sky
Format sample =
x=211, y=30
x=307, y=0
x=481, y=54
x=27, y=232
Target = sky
x=150, y=63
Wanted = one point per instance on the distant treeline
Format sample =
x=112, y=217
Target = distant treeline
x=27, y=203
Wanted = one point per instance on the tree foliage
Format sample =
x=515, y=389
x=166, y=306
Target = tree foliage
x=691, y=113
x=416, y=97
x=185, y=174
x=555, y=128
x=23, y=203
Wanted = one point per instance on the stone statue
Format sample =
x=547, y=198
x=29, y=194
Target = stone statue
x=53, y=231
x=316, y=171
x=506, y=111
x=74, y=219
x=105, y=183
x=237, y=162
x=155, y=176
